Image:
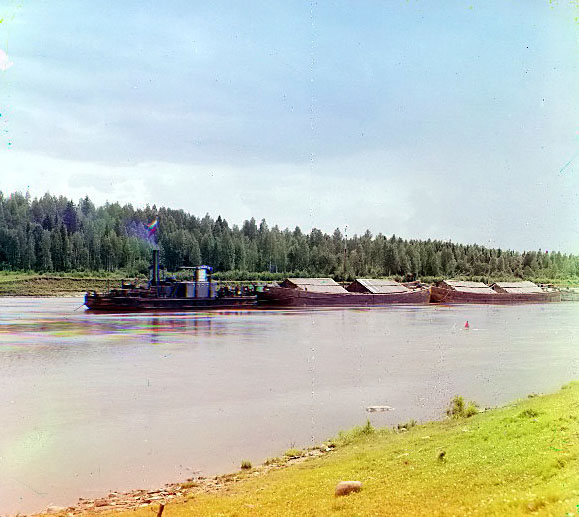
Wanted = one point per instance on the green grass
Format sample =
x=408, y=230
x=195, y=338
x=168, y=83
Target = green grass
x=189, y=484
x=55, y=284
x=273, y=461
x=7, y=276
x=407, y=425
x=293, y=453
x=517, y=460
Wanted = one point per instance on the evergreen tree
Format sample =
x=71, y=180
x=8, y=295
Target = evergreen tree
x=54, y=234
x=45, y=253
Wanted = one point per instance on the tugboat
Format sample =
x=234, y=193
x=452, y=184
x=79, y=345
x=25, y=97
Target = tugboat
x=169, y=294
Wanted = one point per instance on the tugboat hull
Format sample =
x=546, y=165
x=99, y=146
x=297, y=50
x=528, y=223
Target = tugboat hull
x=145, y=304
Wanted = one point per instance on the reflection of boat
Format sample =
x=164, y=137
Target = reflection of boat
x=325, y=292
x=458, y=291
x=168, y=294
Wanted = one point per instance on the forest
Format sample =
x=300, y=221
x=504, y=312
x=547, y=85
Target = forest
x=54, y=234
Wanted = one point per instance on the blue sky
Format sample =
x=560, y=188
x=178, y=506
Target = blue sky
x=448, y=121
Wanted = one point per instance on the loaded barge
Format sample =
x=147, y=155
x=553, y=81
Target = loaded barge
x=168, y=294
x=325, y=292
x=503, y=293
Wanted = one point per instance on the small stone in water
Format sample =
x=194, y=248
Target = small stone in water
x=374, y=409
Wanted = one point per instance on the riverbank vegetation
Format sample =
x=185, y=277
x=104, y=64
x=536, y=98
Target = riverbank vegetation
x=47, y=285
x=54, y=234
x=521, y=459
x=55, y=283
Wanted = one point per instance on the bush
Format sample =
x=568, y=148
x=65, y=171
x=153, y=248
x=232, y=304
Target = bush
x=367, y=428
x=347, y=437
x=294, y=453
x=246, y=464
x=237, y=275
x=471, y=409
x=529, y=413
x=459, y=409
x=407, y=425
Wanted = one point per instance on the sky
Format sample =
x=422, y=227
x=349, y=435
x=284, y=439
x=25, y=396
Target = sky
x=447, y=120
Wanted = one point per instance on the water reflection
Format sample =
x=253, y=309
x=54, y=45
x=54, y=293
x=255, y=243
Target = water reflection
x=160, y=328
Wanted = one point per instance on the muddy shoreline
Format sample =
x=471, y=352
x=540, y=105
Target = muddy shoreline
x=171, y=492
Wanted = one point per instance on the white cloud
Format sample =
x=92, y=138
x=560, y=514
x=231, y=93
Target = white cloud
x=377, y=191
x=284, y=194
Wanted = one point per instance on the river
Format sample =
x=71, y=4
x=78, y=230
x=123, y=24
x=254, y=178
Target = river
x=91, y=403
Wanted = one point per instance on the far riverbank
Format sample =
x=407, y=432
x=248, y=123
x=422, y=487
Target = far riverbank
x=75, y=284
x=26, y=284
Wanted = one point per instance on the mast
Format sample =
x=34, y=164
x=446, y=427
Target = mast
x=345, y=251
x=155, y=266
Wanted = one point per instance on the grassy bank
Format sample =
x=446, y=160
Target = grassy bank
x=522, y=459
x=26, y=284
x=14, y=283
x=23, y=284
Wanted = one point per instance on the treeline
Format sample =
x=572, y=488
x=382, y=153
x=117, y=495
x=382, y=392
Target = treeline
x=55, y=234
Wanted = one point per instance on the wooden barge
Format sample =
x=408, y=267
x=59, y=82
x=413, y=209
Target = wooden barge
x=325, y=292
x=458, y=291
x=168, y=294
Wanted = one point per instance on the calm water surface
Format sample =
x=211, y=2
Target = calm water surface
x=91, y=403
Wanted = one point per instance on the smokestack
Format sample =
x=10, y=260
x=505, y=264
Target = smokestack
x=155, y=267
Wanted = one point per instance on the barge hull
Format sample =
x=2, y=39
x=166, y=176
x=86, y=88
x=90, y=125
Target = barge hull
x=442, y=295
x=287, y=297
